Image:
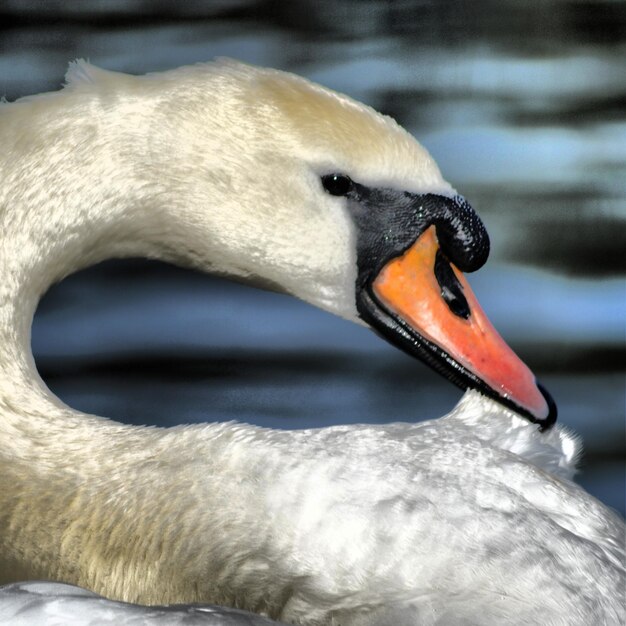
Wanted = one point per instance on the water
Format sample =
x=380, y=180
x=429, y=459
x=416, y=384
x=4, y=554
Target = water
x=522, y=107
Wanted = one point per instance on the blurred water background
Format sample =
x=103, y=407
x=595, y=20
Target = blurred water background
x=523, y=105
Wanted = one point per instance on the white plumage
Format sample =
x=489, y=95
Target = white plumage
x=467, y=519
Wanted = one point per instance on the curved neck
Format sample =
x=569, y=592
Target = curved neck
x=60, y=210
x=73, y=198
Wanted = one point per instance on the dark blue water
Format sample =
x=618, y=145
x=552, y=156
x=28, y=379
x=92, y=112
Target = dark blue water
x=522, y=106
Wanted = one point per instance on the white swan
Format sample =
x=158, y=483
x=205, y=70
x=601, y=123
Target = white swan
x=262, y=176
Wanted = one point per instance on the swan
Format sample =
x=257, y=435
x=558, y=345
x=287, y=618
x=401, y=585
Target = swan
x=264, y=177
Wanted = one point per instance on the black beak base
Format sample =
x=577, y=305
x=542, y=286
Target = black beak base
x=388, y=222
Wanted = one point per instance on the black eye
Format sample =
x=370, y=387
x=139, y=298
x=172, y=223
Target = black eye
x=337, y=184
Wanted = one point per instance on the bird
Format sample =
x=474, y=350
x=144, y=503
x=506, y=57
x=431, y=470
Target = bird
x=266, y=178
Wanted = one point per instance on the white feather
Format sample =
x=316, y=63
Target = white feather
x=467, y=519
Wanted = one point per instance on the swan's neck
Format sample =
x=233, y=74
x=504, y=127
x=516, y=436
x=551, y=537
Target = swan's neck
x=101, y=173
x=58, y=212
x=77, y=492
x=82, y=498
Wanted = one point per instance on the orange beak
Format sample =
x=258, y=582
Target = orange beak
x=408, y=288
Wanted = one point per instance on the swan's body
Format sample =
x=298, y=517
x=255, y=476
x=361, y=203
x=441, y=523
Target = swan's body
x=470, y=518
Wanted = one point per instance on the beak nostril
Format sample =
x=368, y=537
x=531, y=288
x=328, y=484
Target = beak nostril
x=451, y=288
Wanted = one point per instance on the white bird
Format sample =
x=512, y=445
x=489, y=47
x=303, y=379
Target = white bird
x=264, y=177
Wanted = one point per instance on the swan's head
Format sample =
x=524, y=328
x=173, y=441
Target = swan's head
x=271, y=178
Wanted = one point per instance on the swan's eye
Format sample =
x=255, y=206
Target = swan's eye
x=337, y=184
